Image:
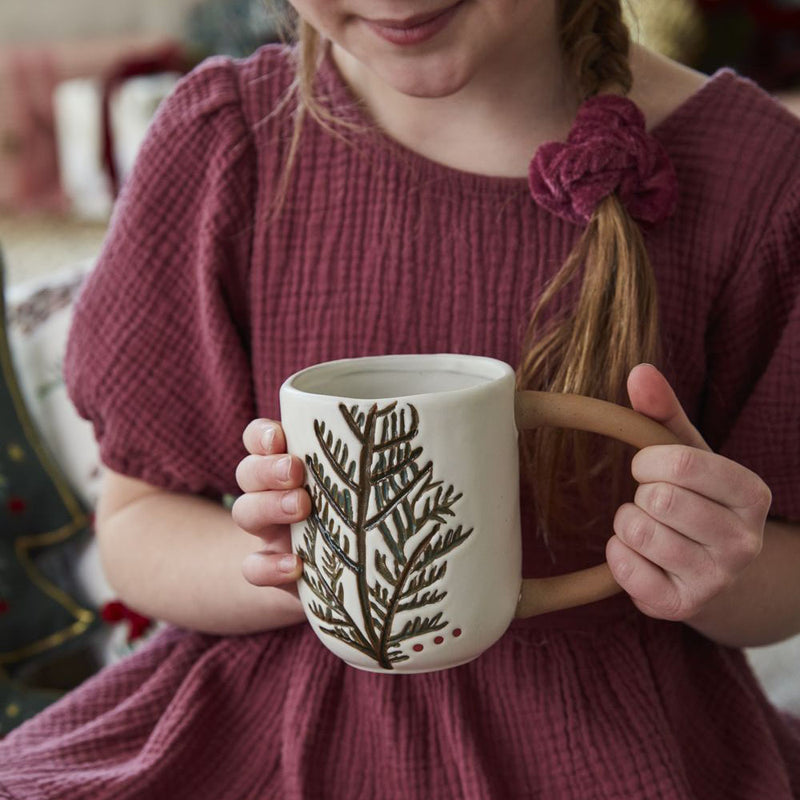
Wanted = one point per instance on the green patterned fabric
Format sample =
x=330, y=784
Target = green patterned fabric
x=45, y=626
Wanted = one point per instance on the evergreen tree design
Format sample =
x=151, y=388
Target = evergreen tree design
x=378, y=520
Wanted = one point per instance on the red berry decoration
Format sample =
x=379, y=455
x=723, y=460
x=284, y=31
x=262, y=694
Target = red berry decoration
x=16, y=505
x=438, y=640
x=457, y=632
x=115, y=611
x=418, y=648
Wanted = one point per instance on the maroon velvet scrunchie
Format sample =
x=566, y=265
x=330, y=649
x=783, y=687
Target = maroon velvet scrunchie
x=608, y=150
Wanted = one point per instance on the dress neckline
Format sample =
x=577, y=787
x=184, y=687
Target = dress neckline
x=340, y=98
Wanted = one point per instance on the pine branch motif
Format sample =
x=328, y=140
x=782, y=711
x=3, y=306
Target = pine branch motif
x=378, y=523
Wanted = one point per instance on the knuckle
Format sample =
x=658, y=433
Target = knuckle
x=715, y=579
x=259, y=512
x=250, y=513
x=621, y=566
x=751, y=490
x=262, y=435
x=747, y=545
x=761, y=495
x=637, y=531
x=674, y=606
x=704, y=562
x=661, y=499
x=683, y=464
x=250, y=473
x=241, y=474
x=766, y=496
x=753, y=546
x=249, y=430
x=252, y=432
x=239, y=511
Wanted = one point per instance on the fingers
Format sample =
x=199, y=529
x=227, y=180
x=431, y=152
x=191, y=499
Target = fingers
x=272, y=569
x=273, y=498
x=652, y=590
x=274, y=564
x=259, y=512
x=263, y=437
x=651, y=395
x=732, y=539
x=697, y=519
x=665, y=547
x=256, y=473
x=705, y=473
x=271, y=481
x=272, y=493
x=673, y=550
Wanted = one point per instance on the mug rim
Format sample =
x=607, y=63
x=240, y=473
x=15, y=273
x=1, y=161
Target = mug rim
x=491, y=371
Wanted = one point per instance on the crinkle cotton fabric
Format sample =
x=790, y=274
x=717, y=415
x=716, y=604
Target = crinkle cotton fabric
x=205, y=299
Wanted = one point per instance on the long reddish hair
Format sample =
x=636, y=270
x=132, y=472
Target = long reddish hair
x=591, y=347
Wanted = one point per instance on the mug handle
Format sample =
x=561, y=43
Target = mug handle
x=537, y=409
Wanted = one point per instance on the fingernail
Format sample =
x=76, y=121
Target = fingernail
x=283, y=467
x=289, y=502
x=288, y=564
x=268, y=438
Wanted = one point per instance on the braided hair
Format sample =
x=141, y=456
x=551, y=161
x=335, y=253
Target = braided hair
x=591, y=347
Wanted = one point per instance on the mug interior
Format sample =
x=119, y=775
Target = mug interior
x=382, y=377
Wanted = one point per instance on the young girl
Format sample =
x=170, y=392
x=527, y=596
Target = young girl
x=495, y=177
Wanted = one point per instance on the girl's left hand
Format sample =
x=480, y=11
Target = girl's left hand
x=696, y=520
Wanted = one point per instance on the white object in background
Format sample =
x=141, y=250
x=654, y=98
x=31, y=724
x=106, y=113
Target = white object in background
x=133, y=107
x=39, y=316
x=79, y=135
x=777, y=667
x=77, y=110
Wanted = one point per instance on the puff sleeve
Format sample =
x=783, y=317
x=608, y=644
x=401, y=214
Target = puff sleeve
x=158, y=352
x=752, y=408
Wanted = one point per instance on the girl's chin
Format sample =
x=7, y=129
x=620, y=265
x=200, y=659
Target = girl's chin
x=423, y=83
x=416, y=77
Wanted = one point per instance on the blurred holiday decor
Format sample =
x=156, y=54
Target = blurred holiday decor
x=232, y=27
x=759, y=38
x=674, y=28
x=46, y=624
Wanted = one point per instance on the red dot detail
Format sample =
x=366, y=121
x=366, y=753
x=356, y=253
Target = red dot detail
x=438, y=639
x=457, y=632
x=3, y=606
x=418, y=648
x=16, y=505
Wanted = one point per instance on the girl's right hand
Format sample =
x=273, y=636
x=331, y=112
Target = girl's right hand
x=273, y=497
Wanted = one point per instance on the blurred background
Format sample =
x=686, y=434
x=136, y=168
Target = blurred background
x=79, y=80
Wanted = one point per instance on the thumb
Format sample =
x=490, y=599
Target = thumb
x=651, y=395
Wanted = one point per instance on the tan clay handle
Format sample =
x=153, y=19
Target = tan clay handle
x=536, y=409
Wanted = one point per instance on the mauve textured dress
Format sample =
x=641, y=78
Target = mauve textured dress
x=202, y=304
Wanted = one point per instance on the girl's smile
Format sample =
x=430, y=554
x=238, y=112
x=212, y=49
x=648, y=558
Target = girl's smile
x=416, y=29
x=436, y=49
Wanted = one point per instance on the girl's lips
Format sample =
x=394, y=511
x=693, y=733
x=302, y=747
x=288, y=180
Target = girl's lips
x=413, y=30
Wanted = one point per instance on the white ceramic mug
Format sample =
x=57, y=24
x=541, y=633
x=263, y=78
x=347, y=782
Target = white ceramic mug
x=413, y=551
